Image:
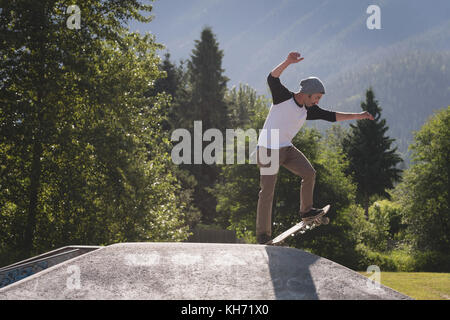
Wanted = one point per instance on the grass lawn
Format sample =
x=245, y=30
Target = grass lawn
x=418, y=285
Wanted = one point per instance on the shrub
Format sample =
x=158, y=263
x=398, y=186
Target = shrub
x=369, y=257
x=432, y=261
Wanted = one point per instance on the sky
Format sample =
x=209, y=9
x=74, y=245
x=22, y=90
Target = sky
x=256, y=35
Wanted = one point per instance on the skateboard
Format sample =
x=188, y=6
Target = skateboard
x=301, y=227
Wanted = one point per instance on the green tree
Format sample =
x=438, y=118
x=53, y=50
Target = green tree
x=372, y=161
x=207, y=86
x=83, y=156
x=241, y=102
x=424, y=192
x=171, y=84
x=237, y=189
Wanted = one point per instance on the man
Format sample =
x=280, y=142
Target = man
x=286, y=116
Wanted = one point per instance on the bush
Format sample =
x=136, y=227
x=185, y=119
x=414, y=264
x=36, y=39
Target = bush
x=403, y=260
x=369, y=257
x=432, y=261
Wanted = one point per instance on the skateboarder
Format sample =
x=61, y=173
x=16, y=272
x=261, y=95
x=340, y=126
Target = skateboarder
x=287, y=115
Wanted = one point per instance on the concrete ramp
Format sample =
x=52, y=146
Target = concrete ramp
x=197, y=271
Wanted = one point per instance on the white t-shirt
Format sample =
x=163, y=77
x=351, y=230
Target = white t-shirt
x=287, y=116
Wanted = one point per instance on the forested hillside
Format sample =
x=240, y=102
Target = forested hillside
x=409, y=87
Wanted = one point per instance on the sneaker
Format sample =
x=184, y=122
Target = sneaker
x=311, y=214
x=263, y=238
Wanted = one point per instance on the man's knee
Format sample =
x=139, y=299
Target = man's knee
x=309, y=174
x=267, y=187
x=266, y=191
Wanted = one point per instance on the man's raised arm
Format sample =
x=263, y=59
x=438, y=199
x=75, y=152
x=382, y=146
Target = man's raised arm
x=293, y=57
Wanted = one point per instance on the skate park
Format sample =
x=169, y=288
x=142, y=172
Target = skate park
x=133, y=156
x=195, y=271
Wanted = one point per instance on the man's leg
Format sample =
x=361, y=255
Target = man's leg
x=264, y=211
x=265, y=198
x=297, y=163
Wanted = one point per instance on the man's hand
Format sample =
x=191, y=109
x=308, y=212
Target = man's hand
x=366, y=115
x=294, y=57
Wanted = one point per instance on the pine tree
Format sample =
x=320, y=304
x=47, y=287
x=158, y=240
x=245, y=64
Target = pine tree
x=208, y=82
x=372, y=161
x=171, y=84
x=171, y=81
x=207, y=86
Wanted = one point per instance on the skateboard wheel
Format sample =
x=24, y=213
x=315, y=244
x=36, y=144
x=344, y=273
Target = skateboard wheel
x=325, y=220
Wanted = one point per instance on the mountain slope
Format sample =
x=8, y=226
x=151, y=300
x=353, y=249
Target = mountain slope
x=406, y=62
x=410, y=86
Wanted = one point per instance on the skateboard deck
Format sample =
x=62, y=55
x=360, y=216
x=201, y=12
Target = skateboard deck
x=302, y=227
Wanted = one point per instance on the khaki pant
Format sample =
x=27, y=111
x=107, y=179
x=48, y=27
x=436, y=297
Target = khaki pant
x=295, y=161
